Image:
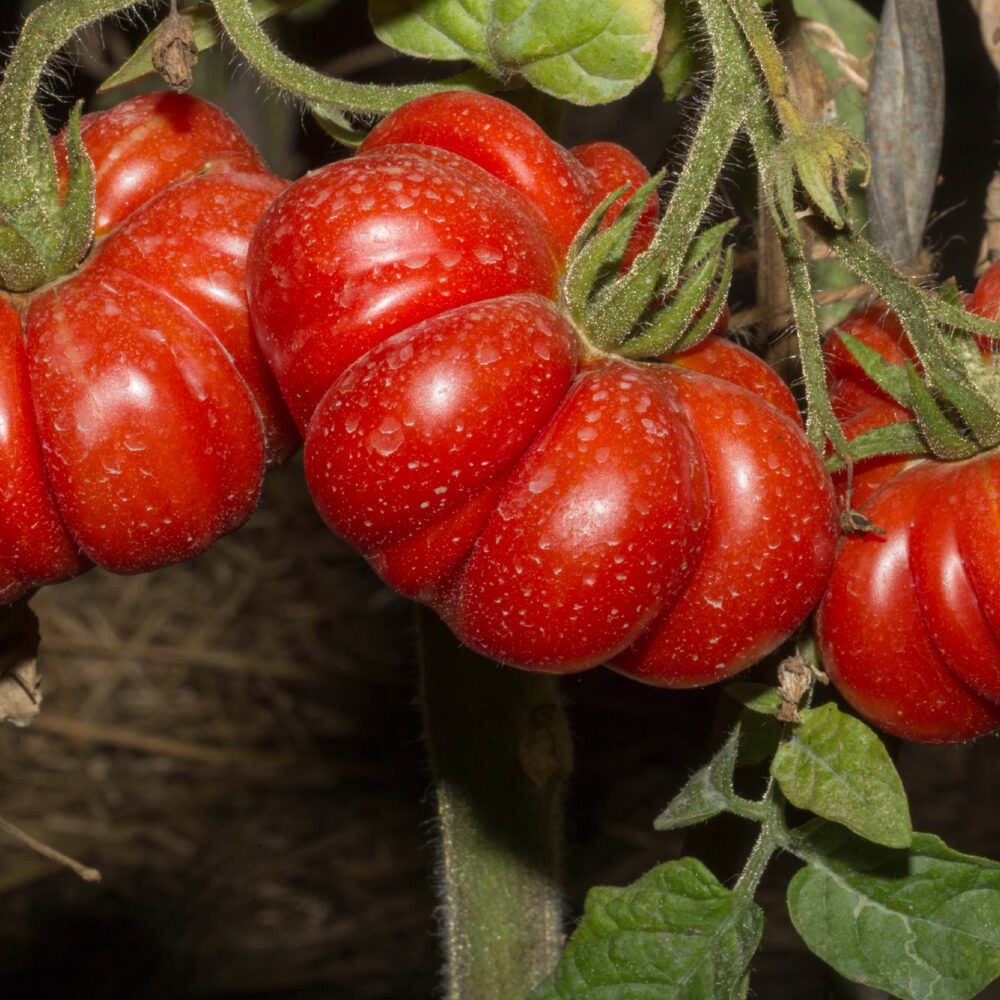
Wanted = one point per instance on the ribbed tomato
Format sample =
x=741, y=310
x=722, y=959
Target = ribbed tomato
x=136, y=412
x=909, y=623
x=559, y=506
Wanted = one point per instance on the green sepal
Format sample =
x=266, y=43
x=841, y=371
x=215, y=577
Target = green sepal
x=890, y=378
x=41, y=238
x=904, y=438
x=613, y=311
x=670, y=328
x=710, y=316
x=595, y=255
x=975, y=410
x=77, y=212
x=941, y=435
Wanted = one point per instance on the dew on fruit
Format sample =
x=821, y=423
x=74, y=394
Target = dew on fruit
x=387, y=437
x=542, y=480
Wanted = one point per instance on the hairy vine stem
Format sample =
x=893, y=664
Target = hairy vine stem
x=500, y=750
x=330, y=94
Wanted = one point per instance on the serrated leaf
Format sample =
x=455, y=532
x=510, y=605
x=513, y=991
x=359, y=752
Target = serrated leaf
x=922, y=924
x=836, y=767
x=206, y=35
x=434, y=29
x=677, y=932
x=587, y=53
x=707, y=792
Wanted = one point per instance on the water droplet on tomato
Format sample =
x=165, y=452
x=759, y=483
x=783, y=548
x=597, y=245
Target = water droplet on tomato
x=542, y=479
x=387, y=437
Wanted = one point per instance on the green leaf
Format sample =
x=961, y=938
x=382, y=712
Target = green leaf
x=434, y=29
x=707, y=792
x=587, y=53
x=206, y=35
x=760, y=698
x=835, y=766
x=677, y=932
x=922, y=924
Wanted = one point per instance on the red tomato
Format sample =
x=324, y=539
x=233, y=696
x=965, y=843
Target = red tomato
x=559, y=507
x=137, y=412
x=907, y=628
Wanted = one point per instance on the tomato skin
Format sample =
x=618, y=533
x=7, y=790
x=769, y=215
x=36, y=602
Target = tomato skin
x=417, y=410
x=729, y=361
x=770, y=542
x=138, y=410
x=552, y=503
x=908, y=628
x=405, y=235
x=505, y=143
x=602, y=521
x=872, y=625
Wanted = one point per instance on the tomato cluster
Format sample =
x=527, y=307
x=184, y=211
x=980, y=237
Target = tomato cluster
x=559, y=507
x=137, y=414
x=909, y=624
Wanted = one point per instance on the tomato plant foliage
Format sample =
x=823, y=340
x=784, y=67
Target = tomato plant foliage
x=138, y=414
x=560, y=507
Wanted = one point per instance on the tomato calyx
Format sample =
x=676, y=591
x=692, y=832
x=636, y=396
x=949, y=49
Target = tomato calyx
x=640, y=311
x=44, y=234
x=944, y=404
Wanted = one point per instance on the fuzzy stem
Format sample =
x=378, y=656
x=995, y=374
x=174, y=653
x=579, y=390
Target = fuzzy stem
x=500, y=750
x=46, y=30
x=238, y=21
x=719, y=124
x=821, y=423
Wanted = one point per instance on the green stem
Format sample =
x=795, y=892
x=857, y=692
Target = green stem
x=717, y=129
x=821, y=422
x=768, y=57
x=46, y=30
x=236, y=18
x=904, y=298
x=500, y=750
x=773, y=836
